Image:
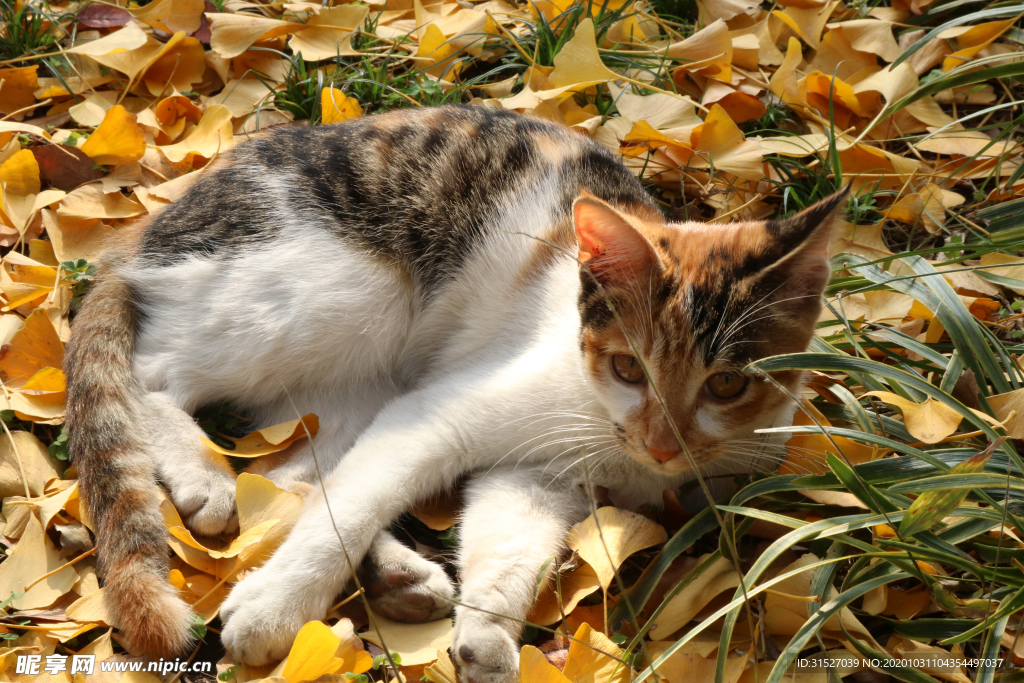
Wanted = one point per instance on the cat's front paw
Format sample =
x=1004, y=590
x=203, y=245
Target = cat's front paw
x=206, y=501
x=484, y=652
x=261, y=619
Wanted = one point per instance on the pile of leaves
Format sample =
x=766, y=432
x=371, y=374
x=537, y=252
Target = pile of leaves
x=885, y=524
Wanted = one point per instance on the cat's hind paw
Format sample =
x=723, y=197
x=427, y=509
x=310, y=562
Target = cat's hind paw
x=207, y=502
x=403, y=586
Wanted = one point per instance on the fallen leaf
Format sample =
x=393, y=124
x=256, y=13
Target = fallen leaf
x=212, y=135
x=684, y=606
x=117, y=140
x=534, y=667
x=31, y=558
x=172, y=16
x=23, y=452
x=336, y=106
x=593, y=657
x=270, y=439
x=930, y=421
x=90, y=201
x=328, y=34
x=973, y=39
x=416, y=643
x=606, y=538
x=19, y=86
x=64, y=167
x=102, y=16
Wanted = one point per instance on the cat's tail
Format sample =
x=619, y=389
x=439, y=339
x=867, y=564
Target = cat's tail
x=116, y=477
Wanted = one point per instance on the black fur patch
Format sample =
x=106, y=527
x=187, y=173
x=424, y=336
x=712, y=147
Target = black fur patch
x=418, y=187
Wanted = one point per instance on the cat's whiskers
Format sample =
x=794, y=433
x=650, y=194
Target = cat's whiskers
x=585, y=457
x=584, y=443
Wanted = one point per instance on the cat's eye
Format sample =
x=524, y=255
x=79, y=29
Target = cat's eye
x=627, y=368
x=726, y=385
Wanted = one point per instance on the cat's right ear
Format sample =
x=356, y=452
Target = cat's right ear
x=609, y=245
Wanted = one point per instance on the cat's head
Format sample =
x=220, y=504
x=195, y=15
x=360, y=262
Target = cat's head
x=695, y=302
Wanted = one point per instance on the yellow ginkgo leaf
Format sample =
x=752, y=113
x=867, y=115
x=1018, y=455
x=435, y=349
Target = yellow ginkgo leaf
x=561, y=597
x=534, y=667
x=31, y=558
x=19, y=86
x=126, y=39
x=724, y=148
x=707, y=52
x=20, y=174
x=312, y=654
x=118, y=140
x=270, y=439
x=90, y=201
x=443, y=670
x=808, y=23
x=213, y=134
x=180, y=64
x=931, y=421
x=416, y=643
x=329, y=33
x=578, y=64
x=92, y=608
x=350, y=650
x=644, y=136
x=872, y=36
x=1006, y=266
x=232, y=34
x=237, y=545
x=259, y=500
x=172, y=16
x=685, y=605
x=32, y=348
x=337, y=106
x=606, y=538
x=434, y=46
x=593, y=657
x=27, y=454
x=73, y=239
x=974, y=39
x=806, y=453
x=1009, y=410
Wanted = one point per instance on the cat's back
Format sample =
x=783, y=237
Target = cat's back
x=417, y=185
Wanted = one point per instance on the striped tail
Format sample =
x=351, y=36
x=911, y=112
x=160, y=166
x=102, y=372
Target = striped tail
x=116, y=476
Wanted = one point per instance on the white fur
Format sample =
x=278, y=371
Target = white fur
x=485, y=377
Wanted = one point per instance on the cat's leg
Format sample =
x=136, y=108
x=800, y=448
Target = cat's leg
x=200, y=480
x=514, y=522
x=402, y=585
x=414, y=448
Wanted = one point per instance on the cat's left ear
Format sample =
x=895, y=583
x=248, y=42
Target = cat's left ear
x=802, y=242
x=611, y=247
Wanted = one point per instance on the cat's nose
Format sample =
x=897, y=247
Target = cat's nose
x=662, y=456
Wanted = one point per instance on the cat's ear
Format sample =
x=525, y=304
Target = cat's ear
x=803, y=241
x=609, y=245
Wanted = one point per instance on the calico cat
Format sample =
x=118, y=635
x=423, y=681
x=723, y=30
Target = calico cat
x=451, y=290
